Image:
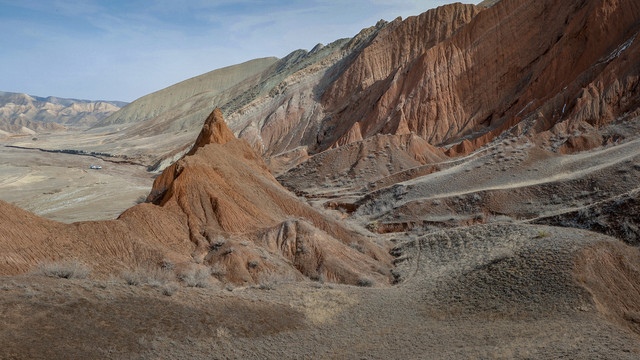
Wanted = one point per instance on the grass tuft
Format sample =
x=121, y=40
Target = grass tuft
x=68, y=269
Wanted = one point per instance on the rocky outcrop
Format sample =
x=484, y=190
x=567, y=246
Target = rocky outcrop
x=214, y=131
x=359, y=164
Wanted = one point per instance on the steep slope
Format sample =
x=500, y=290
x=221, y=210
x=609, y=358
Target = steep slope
x=516, y=60
x=219, y=205
x=207, y=88
x=358, y=164
x=224, y=187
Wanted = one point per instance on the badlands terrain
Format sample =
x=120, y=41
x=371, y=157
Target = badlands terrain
x=460, y=184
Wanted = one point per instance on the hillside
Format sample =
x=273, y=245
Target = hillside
x=460, y=184
x=457, y=76
x=223, y=260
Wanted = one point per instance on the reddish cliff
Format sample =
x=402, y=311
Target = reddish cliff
x=488, y=70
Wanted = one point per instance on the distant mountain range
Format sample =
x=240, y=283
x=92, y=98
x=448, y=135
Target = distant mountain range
x=22, y=114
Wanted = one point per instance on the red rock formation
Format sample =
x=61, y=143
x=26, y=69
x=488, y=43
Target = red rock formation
x=354, y=134
x=214, y=131
x=359, y=92
x=486, y=71
x=219, y=193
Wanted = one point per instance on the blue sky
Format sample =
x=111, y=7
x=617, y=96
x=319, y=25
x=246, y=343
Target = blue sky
x=122, y=50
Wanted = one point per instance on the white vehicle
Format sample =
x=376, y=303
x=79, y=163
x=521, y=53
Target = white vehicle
x=96, y=167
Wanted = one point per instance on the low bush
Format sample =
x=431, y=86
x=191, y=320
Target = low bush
x=68, y=269
x=169, y=289
x=199, y=277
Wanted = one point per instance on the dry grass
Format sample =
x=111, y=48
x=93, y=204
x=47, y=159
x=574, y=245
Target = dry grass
x=146, y=276
x=199, y=277
x=67, y=269
x=169, y=289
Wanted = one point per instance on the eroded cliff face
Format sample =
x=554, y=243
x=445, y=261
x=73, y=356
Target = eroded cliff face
x=459, y=76
x=552, y=62
x=368, y=88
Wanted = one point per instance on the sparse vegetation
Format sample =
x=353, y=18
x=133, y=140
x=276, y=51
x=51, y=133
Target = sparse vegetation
x=167, y=265
x=218, y=270
x=365, y=282
x=223, y=333
x=68, y=269
x=266, y=286
x=542, y=234
x=373, y=226
x=169, y=289
x=146, y=276
x=357, y=247
x=196, y=277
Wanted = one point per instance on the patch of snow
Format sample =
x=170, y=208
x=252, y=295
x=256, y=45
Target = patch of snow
x=525, y=108
x=619, y=50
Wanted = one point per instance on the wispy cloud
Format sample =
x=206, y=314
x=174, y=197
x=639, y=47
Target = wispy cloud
x=125, y=49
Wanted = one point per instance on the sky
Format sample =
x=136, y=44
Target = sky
x=125, y=49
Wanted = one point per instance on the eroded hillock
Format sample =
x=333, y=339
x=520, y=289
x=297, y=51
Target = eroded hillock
x=219, y=205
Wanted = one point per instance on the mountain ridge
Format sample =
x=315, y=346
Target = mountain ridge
x=394, y=78
x=26, y=114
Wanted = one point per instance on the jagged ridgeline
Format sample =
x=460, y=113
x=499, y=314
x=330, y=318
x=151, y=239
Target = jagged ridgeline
x=457, y=76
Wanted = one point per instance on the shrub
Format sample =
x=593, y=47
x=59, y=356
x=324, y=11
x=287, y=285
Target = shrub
x=167, y=265
x=196, y=277
x=542, y=234
x=223, y=333
x=218, y=270
x=169, y=289
x=373, y=226
x=266, y=286
x=68, y=269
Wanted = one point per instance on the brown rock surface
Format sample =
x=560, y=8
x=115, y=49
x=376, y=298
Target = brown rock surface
x=359, y=163
x=444, y=145
x=498, y=67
